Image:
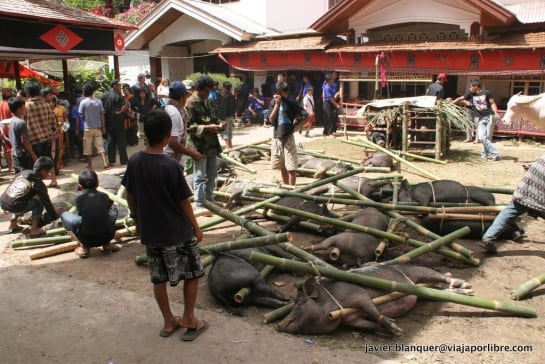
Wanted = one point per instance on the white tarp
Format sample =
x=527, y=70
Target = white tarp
x=419, y=101
x=54, y=66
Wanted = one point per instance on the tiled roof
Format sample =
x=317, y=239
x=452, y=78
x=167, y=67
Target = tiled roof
x=58, y=13
x=294, y=44
x=528, y=12
x=516, y=41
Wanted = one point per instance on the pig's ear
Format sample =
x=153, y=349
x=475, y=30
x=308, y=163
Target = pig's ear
x=310, y=288
x=404, y=184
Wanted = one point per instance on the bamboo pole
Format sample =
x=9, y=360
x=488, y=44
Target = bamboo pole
x=279, y=313
x=40, y=241
x=217, y=220
x=407, y=257
x=380, y=300
x=283, y=219
x=262, y=141
x=329, y=157
x=385, y=285
x=460, y=252
x=420, y=157
x=369, y=169
x=237, y=163
x=438, y=132
x=141, y=259
x=405, y=129
x=247, y=243
x=53, y=250
x=259, y=230
x=241, y=295
x=123, y=233
x=523, y=290
x=393, y=155
x=383, y=244
x=479, y=217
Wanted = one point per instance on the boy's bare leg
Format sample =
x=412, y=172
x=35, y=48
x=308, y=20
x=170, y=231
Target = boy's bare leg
x=104, y=163
x=89, y=162
x=171, y=322
x=285, y=175
x=190, y=298
x=292, y=176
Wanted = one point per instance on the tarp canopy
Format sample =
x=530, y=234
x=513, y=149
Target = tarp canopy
x=54, y=66
x=7, y=71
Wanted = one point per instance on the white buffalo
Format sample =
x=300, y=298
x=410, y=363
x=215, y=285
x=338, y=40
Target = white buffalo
x=531, y=108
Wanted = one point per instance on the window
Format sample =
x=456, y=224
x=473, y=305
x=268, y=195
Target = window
x=528, y=87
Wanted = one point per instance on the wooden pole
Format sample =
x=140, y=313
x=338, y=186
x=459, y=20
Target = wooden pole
x=53, y=250
x=438, y=131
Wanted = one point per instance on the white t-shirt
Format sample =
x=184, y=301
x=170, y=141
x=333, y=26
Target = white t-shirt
x=178, y=129
x=308, y=104
x=162, y=91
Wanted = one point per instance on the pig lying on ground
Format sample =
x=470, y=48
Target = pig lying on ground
x=322, y=166
x=346, y=250
x=232, y=271
x=443, y=191
x=315, y=301
x=379, y=159
x=369, y=217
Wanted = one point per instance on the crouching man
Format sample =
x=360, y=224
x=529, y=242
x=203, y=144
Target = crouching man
x=27, y=192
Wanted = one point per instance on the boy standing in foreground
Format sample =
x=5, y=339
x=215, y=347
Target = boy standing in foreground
x=158, y=198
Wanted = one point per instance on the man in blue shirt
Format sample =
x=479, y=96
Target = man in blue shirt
x=330, y=107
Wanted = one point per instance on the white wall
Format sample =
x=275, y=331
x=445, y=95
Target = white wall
x=131, y=64
x=183, y=29
x=282, y=15
x=388, y=12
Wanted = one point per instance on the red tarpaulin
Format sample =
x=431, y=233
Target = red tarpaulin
x=7, y=71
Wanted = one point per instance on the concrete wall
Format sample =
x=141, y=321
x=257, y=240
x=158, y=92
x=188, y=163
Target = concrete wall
x=282, y=15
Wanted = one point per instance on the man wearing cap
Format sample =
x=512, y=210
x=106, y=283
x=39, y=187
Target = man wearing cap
x=115, y=112
x=436, y=89
x=175, y=108
x=204, y=126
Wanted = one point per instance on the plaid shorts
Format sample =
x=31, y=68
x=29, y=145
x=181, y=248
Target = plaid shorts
x=174, y=263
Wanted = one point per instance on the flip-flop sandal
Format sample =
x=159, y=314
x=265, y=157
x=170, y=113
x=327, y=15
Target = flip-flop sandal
x=85, y=254
x=15, y=230
x=111, y=248
x=192, y=334
x=164, y=333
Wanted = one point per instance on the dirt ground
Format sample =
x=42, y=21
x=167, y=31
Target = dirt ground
x=429, y=325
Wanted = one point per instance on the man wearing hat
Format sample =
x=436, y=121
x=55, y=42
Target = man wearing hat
x=115, y=110
x=175, y=108
x=436, y=89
